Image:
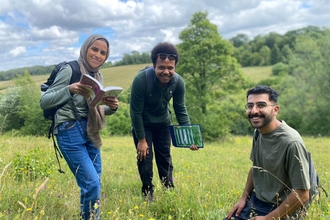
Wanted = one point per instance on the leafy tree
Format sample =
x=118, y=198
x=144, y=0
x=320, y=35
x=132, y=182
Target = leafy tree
x=209, y=69
x=272, y=39
x=257, y=43
x=30, y=111
x=19, y=108
x=265, y=56
x=280, y=69
x=106, y=65
x=306, y=93
x=243, y=55
x=287, y=54
x=9, y=107
x=256, y=59
x=275, y=55
x=134, y=58
x=239, y=40
x=119, y=123
x=248, y=52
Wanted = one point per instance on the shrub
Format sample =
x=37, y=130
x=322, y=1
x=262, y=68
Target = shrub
x=9, y=110
x=119, y=123
x=280, y=69
x=32, y=165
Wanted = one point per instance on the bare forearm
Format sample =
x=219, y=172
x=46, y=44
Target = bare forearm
x=294, y=201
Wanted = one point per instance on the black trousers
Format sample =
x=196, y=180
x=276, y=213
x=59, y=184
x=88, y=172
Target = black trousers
x=159, y=142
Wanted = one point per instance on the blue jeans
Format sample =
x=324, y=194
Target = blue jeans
x=84, y=161
x=255, y=207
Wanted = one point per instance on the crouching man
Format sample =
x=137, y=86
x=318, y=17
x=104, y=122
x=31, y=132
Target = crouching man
x=278, y=183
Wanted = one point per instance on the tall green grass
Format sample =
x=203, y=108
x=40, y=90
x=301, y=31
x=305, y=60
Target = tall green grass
x=207, y=182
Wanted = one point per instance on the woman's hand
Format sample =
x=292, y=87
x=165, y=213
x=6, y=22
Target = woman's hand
x=80, y=89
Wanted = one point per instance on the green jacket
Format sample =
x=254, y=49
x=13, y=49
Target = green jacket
x=152, y=110
x=59, y=93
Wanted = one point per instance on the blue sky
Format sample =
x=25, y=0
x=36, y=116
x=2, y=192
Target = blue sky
x=47, y=32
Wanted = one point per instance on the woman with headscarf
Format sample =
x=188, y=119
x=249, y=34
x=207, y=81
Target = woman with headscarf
x=79, y=140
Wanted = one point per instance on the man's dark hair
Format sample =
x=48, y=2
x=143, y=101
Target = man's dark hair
x=164, y=48
x=261, y=89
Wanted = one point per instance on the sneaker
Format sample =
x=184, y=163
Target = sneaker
x=149, y=197
x=148, y=193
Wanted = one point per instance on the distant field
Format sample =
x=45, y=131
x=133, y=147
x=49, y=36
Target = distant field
x=123, y=75
x=119, y=76
x=5, y=84
x=258, y=73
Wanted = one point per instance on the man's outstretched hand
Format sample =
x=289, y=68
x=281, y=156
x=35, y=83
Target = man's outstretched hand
x=193, y=147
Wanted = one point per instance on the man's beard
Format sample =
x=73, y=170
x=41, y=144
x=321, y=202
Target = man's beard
x=266, y=120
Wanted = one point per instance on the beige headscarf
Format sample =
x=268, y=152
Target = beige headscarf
x=96, y=118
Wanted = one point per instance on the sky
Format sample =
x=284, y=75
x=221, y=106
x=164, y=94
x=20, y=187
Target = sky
x=46, y=32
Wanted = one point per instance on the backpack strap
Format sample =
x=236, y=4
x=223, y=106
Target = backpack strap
x=150, y=78
x=256, y=134
x=57, y=153
x=75, y=77
x=76, y=74
x=52, y=76
x=314, y=178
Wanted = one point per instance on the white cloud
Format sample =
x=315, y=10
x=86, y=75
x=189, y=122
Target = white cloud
x=5, y=6
x=18, y=51
x=52, y=31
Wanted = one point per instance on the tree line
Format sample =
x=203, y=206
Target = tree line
x=128, y=59
x=262, y=50
x=271, y=48
x=215, y=86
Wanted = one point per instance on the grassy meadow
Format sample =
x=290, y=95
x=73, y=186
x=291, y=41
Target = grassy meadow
x=208, y=181
x=258, y=73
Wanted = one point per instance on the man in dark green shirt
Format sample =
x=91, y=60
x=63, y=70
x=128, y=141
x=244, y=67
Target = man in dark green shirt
x=151, y=116
x=278, y=183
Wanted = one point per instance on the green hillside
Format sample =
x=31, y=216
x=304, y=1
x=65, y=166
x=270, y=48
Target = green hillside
x=123, y=75
x=258, y=73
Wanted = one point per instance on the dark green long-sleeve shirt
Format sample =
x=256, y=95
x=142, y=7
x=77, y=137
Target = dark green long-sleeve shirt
x=152, y=110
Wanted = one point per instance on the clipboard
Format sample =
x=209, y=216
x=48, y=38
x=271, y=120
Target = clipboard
x=186, y=135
